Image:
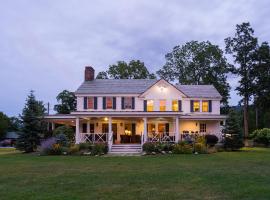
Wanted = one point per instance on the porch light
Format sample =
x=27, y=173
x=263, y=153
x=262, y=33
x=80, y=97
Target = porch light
x=106, y=118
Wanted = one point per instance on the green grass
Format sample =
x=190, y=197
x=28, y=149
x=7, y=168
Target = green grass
x=225, y=175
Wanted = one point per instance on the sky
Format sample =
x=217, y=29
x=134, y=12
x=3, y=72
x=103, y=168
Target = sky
x=45, y=45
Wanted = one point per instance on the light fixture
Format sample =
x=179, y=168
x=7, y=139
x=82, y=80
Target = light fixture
x=106, y=118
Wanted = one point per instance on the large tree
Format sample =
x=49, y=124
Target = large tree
x=33, y=126
x=67, y=102
x=198, y=63
x=135, y=69
x=242, y=46
x=4, y=124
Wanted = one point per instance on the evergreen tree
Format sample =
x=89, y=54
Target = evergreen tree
x=4, y=124
x=233, y=136
x=32, y=124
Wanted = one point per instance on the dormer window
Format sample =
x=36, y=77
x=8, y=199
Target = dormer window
x=196, y=106
x=205, y=106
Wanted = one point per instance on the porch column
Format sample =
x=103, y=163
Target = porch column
x=176, y=129
x=145, y=136
x=53, y=126
x=77, y=134
x=110, y=134
x=88, y=127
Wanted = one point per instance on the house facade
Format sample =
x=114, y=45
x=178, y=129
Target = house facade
x=125, y=111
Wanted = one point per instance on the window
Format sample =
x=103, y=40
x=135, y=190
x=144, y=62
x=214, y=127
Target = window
x=109, y=102
x=196, y=106
x=203, y=128
x=151, y=128
x=162, y=105
x=90, y=103
x=174, y=105
x=150, y=105
x=127, y=102
x=205, y=106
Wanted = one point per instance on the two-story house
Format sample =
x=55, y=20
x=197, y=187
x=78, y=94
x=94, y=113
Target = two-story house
x=125, y=111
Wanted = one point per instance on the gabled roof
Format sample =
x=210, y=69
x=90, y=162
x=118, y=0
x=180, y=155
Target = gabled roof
x=139, y=86
x=115, y=86
x=199, y=91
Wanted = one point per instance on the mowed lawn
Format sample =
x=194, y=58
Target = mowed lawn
x=224, y=175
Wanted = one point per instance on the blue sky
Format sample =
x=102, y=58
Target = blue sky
x=44, y=45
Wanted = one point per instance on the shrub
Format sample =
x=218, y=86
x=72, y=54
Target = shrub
x=67, y=131
x=261, y=136
x=62, y=139
x=73, y=149
x=233, y=142
x=85, y=146
x=182, y=148
x=211, y=140
x=99, y=148
x=200, y=148
x=149, y=147
x=51, y=147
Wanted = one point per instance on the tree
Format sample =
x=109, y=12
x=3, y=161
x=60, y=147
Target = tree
x=243, y=47
x=4, y=124
x=67, y=102
x=198, y=63
x=233, y=136
x=102, y=75
x=15, y=124
x=32, y=124
x=135, y=69
x=65, y=130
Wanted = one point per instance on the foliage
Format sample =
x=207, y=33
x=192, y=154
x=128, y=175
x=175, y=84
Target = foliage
x=198, y=63
x=4, y=124
x=182, y=148
x=261, y=136
x=200, y=148
x=74, y=149
x=33, y=126
x=149, y=147
x=99, y=149
x=15, y=124
x=243, y=47
x=85, y=146
x=50, y=147
x=67, y=102
x=211, y=140
x=65, y=130
x=135, y=69
x=62, y=139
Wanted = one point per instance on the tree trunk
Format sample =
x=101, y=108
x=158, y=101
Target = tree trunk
x=245, y=118
x=256, y=113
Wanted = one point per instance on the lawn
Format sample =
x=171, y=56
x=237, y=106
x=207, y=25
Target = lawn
x=225, y=175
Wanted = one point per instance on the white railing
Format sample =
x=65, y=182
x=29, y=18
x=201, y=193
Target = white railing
x=161, y=137
x=94, y=137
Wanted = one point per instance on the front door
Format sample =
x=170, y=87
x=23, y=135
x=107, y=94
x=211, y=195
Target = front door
x=105, y=129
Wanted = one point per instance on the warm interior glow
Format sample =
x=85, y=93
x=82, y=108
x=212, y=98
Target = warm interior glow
x=174, y=105
x=196, y=106
x=109, y=102
x=106, y=118
x=150, y=105
x=205, y=106
x=162, y=105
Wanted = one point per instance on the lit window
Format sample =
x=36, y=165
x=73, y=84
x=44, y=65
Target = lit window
x=162, y=105
x=196, y=106
x=127, y=102
x=150, y=105
x=109, y=102
x=205, y=106
x=90, y=103
x=174, y=105
x=203, y=128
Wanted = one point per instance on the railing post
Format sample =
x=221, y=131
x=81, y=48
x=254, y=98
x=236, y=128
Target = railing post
x=145, y=136
x=77, y=134
x=110, y=134
x=176, y=130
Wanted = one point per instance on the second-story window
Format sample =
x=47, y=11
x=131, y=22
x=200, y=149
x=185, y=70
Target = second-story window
x=196, y=106
x=127, y=102
x=150, y=105
x=109, y=102
x=162, y=105
x=90, y=103
x=205, y=106
x=175, y=105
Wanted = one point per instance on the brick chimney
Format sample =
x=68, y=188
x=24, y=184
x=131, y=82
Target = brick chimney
x=89, y=73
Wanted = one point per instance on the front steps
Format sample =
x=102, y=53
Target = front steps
x=126, y=149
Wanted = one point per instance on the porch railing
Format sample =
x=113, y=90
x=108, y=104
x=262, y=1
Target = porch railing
x=161, y=137
x=94, y=137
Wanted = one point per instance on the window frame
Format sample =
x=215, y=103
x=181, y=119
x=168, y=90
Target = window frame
x=203, y=128
x=164, y=106
x=196, y=101
x=147, y=105
x=93, y=102
x=107, y=98
x=177, y=104
x=203, y=102
x=127, y=102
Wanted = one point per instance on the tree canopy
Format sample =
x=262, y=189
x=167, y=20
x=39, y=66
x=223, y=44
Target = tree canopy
x=4, y=124
x=67, y=102
x=135, y=69
x=198, y=63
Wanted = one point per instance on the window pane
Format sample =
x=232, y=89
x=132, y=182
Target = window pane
x=203, y=128
x=109, y=102
x=150, y=105
x=196, y=106
x=162, y=105
x=90, y=103
x=127, y=102
x=174, y=105
x=205, y=106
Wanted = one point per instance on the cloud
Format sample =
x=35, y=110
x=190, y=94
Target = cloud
x=44, y=45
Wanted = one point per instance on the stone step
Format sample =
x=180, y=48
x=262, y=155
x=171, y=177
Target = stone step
x=126, y=149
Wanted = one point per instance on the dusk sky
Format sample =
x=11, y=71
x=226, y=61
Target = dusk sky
x=45, y=45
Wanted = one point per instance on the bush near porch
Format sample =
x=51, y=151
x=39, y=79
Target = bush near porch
x=261, y=136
